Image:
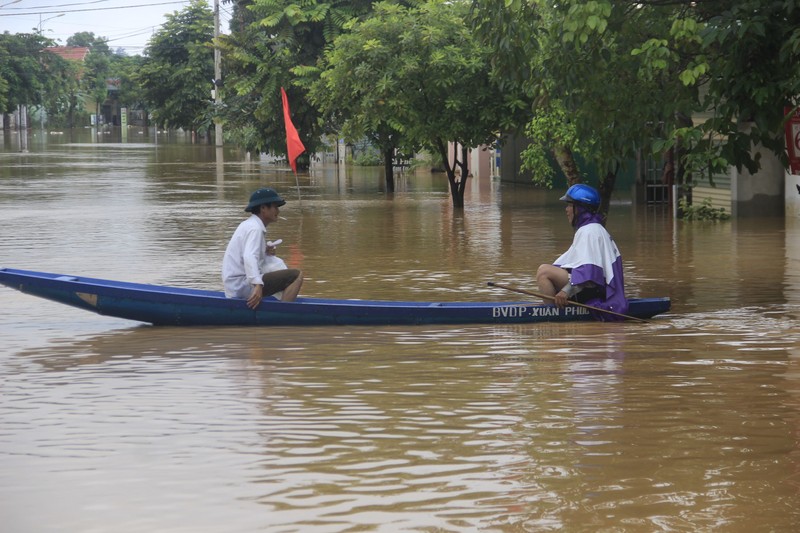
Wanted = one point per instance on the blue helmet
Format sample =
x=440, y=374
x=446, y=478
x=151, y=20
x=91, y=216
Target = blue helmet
x=583, y=194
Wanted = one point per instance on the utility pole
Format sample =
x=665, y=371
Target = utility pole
x=45, y=20
x=217, y=74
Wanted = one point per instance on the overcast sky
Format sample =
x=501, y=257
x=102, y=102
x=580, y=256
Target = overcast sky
x=127, y=24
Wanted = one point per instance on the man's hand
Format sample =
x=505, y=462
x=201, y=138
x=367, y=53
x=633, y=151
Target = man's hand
x=255, y=296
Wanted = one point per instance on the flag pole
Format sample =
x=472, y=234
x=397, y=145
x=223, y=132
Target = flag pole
x=297, y=183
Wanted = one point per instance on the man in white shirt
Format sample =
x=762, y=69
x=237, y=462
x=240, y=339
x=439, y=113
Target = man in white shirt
x=245, y=270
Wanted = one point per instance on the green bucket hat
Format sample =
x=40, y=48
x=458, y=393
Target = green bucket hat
x=265, y=195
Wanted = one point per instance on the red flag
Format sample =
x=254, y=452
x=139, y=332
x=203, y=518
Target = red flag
x=294, y=146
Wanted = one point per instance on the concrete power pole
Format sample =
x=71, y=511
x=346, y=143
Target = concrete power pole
x=217, y=74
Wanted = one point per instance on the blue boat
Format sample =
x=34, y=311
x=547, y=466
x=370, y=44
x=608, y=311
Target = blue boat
x=174, y=306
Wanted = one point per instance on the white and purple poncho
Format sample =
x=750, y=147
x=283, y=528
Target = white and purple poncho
x=595, y=257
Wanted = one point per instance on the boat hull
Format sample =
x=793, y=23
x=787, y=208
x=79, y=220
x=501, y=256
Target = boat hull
x=175, y=306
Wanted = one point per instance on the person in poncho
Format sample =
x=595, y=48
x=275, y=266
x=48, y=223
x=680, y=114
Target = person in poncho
x=590, y=272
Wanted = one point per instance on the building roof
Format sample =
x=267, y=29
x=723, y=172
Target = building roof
x=70, y=53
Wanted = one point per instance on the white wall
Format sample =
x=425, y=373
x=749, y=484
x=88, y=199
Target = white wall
x=792, y=196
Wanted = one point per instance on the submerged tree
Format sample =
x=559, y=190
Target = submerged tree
x=418, y=74
x=352, y=95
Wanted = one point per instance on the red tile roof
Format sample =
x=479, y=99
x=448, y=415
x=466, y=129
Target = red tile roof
x=71, y=53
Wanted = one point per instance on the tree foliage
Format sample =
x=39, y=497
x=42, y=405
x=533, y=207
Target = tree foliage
x=177, y=72
x=96, y=68
x=353, y=97
x=30, y=75
x=5, y=58
x=586, y=96
x=272, y=43
x=417, y=76
x=126, y=68
x=62, y=94
x=741, y=58
x=597, y=80
x=25, y=71
x=700, y=81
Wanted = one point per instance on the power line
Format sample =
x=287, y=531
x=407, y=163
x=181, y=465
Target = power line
x=59, y=6
x=135, y=33
x=89, y=9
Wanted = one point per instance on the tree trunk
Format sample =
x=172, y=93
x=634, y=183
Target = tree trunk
x=566, y=161
x=457, y=183
x=606, y=188
x=679, y=152
x=73, y=104
x=388, y=168
x=463, y=165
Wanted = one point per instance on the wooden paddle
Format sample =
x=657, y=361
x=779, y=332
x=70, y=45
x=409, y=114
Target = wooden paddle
x=540, y=295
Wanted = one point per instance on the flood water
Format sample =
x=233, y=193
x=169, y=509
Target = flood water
x=687, y=423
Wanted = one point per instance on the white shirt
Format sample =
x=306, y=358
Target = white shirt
x=245, y=258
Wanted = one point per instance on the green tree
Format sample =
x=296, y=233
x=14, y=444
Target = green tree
x=271, y=43
x=350, y=95
x=97, y=67
x=62, y=94
x=591, y=73
x=5, y=59
x=33, y=76
x=21, y=70
x=740, y=57
x=587, y=96
x=126, y=68
x=698, y=82
x=425, y=76
x=176, y=74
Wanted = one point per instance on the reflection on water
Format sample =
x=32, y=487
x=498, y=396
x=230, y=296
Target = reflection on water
x=687, y=423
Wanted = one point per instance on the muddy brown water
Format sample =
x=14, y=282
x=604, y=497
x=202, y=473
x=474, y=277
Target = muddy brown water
x=689, y=423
